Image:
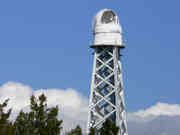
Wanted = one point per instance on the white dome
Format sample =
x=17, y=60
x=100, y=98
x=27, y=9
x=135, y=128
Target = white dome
x=107, y=30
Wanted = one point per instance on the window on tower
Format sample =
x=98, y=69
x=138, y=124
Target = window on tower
x=108, y=17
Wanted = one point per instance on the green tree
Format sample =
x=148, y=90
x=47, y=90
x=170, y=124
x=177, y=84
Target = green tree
x=6, y=127
x=76, y=131
x=92, y=131
x=41, y=120
x=108, y=128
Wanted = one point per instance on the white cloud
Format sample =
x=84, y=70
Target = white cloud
x=160, y=119
x=17, y=93
x=72, y=105
x=160, y=109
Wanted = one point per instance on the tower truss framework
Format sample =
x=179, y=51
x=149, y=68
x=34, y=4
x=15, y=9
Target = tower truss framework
x=106, y=98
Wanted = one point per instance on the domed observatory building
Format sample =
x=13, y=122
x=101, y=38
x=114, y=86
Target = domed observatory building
x=106, y=93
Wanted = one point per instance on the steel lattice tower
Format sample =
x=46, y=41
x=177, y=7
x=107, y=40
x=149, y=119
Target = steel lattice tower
x=106, y=98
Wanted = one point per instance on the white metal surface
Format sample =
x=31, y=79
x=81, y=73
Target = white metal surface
x=107, y=33
x=106, y=98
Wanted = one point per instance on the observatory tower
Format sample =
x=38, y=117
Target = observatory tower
x=106, y=98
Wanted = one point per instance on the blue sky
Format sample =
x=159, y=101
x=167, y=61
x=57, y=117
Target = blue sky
x=45, y=44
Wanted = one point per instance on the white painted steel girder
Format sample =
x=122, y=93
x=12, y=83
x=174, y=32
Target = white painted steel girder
x=106, y=99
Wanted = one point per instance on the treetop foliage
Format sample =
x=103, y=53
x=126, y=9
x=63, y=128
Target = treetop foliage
x=6, y=127
x=42, y=120
x=76, y=131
